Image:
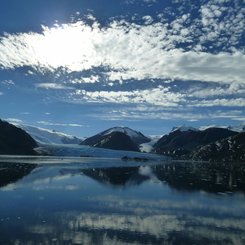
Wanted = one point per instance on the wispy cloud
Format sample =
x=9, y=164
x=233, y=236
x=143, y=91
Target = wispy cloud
x=146, y=112
x=217, y=91
x=14, y=120
x=25, y=113
x=53, y=86
x=46, y=123
x=7, y=83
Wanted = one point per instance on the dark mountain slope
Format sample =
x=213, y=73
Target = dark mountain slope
x=12, y=172
x=229, y=149
x=135, y=136
x=15, y=141
x=116, y=141
x=213, y=177
x=179, y=143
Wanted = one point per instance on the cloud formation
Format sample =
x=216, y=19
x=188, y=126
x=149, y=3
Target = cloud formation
x=158, y=50
x=53, y=86
x=60, y=124
x=186, y=56
x=156, y=96
x=14, y=120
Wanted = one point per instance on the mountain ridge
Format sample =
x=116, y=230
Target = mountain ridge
x=42, y=135
x=206, y=143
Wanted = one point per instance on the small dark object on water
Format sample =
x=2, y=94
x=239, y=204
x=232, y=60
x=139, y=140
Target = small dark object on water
x=137, y=159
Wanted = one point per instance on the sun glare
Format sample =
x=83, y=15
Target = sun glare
x=69, y=46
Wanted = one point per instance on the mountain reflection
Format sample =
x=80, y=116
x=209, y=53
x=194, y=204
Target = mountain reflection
x=209, y=177
x=183, y=176
x=117, y=177
x=12, y=172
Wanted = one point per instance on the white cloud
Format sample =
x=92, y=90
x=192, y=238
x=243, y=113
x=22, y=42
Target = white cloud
x=148, y=19
x=60, y=124
x=14, y=120
x=1, y=93
x=91, y=79
x=146, y=112
x=25, y=113
x=239, y=119
x=237, y=102
x=214, y=91
x=130, y=50
x=53, y=86
x=108, y=63
x=157, y=96
x=167, y=97
x=232, y=24
x=8, y=83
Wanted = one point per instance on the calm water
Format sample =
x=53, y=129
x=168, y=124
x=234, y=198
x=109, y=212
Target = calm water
x=115, y=202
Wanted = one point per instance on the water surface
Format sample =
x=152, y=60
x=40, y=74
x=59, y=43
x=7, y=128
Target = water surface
x=108, y=201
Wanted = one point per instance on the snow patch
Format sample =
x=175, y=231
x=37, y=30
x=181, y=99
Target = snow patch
x=184, y=128
x=239, y=128
x=131, y=133
x=42, y=136
x=149, y=146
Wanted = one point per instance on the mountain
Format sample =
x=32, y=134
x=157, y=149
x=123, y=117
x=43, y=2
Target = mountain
x=229, y=149
x=179, y=143
x=117, y=138
x=43, y=136
x=117, y=141
x=184, y=128
x=10, y=173
x=15, y=141
x=211, y=177
x=237, y=128
x=117, y=176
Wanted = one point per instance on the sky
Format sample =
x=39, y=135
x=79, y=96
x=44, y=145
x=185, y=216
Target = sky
x=82, y=66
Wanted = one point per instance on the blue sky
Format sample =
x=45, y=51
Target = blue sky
x=82, y=66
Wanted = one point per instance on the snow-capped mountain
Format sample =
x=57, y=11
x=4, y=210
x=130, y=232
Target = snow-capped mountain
x=238, y=128
x=117, y=141
x=43, y=136
x=184, y=128
x=136, y=136
x=119, y=138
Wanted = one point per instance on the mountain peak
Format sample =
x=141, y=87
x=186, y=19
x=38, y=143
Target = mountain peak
x=126, y=130
x=110, y=135
x=184, y=128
